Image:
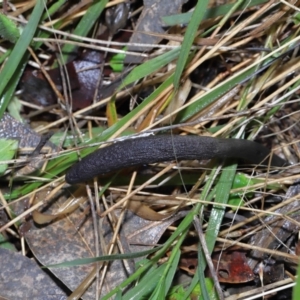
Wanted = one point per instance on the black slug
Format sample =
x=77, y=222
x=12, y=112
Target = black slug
x=152, y=149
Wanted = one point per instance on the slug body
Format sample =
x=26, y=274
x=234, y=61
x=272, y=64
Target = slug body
x=152, y=149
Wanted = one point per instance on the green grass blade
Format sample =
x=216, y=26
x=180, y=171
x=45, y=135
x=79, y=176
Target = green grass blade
x=53, y=8
x=145, y=286
x=211, y=96
x=222, y=192
x=222, y=195
x=12, y=64
x=11, y=87
x=181, y=230
x=201, y=274
x=150, y=67
x=189, y=39
x=137, y=275
x=166, y=279
x=85, y=261
x=174, y=261
x=219, y=90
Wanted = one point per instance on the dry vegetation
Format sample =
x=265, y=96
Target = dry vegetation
x=222, y=70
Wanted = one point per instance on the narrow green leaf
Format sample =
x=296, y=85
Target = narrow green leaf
x=188, y=40
x=173, y=268
x=159, y=292
x=11, y=87
x=200, y=270
x=146, y=267
x=212, y=95
x=181, y=230
x=149, y=67
x=222, y=195
x=13, y=62
x=166, y=279
x=85, y=261
x=227, y=85
x=146, y=285
x=53, y=8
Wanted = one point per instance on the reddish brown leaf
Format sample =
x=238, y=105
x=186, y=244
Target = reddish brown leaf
x=231, y=267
